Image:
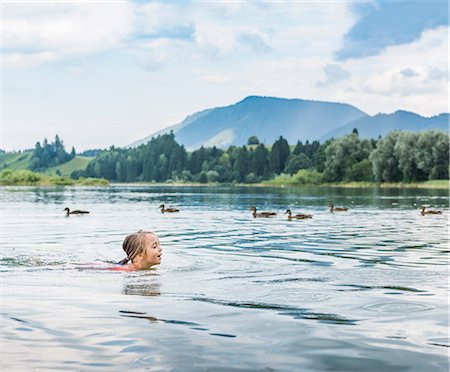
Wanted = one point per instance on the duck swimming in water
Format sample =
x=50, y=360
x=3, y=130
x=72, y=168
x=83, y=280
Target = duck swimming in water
x=168, y=210
x=424, y=212
x=76, y=211
x=262, y=214
x=299, y=216
x=336, y=209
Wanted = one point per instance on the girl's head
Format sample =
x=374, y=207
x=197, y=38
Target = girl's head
x=143, y=249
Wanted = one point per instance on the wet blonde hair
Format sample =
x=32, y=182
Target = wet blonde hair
x=135, y=244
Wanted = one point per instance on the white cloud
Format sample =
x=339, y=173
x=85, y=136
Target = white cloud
x=214, y=39
x=43, y=32
x=29, y=59
x=409, y=72
x=216, y=79
x=163, y=20
x=379, y=83
x=157, y=54
x=333, y=74
x=394, y=82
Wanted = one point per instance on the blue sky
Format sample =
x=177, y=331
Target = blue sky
x=111, y=72
x=385, y=23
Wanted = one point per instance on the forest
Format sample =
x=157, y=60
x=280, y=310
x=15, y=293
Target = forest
x=49, y=154
x=400, y=156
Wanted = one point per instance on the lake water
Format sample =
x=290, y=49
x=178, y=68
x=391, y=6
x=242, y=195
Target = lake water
x=365, y=290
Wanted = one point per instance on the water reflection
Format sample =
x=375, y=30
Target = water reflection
x=142, y=285
x=294, y=312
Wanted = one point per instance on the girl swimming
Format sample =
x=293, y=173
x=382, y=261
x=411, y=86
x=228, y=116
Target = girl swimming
x=143, y=251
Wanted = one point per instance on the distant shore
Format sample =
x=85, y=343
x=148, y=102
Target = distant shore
x=349, y=185
x=434, y=184
x=28, y=178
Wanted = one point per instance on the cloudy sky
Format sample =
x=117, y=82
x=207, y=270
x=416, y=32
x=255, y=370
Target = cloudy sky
x=102, y=73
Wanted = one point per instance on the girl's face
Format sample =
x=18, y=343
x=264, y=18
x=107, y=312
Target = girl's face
x=152, y=254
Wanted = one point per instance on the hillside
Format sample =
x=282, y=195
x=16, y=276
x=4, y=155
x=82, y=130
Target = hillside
x=77, y=163
x=15, y=160
x=266, y=117
x=21, y=160
x=381, y=124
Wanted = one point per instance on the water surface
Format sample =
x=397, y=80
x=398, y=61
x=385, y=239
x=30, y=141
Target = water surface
x=362, y=290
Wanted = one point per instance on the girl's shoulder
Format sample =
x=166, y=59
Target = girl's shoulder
x=120, y=268
x=109, y=266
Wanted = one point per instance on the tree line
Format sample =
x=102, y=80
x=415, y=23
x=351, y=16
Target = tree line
x=49, y=154
x=400, y=156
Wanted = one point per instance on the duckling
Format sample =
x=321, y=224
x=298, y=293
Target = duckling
x=168, y=210
x=262, y=214
x=424, y=212
x=338, y=209
x=299, y=216
x=76, y=211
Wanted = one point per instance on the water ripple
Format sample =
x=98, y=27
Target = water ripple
x=357, y=291
x=402, y=307
x=294, y=312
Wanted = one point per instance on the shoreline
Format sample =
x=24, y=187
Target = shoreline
x=440, y=184
x=437, y=184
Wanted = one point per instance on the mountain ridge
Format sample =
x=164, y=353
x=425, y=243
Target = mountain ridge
x=293, y=118
x=380, y=124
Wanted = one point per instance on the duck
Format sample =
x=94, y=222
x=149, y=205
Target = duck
x=262, y=214
x=299, y=216
x=337, y=209
x=76, y=211
x=424, y=212
x=168, y=210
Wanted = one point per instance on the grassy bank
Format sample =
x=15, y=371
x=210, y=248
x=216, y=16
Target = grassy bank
x=432, y=184
x=16, y=160
x=77, y=163
x=22, y=161
x=9, y=177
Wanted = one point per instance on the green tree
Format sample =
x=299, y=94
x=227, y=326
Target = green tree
x=279, y=155
x=432, y=155
x=203, y=177
x=212, y=176
x=404, y=152
x=241, y=163
x=308, y=177
x=259, y=161
x=299, y=148
x=384, y=162
x=342, y=154
x=361, y=171
x=253, y=140
x=49, y=154
x=297, y=162
x=196, y=160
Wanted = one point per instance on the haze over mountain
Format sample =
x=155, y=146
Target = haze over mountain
x=294, y=119
x=380, y=124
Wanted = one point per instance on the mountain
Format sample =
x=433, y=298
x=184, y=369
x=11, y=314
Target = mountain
x=381, y=124
x=294, y=119
x=265, y=117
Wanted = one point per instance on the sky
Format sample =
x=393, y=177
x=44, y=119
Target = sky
x=102, y=73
